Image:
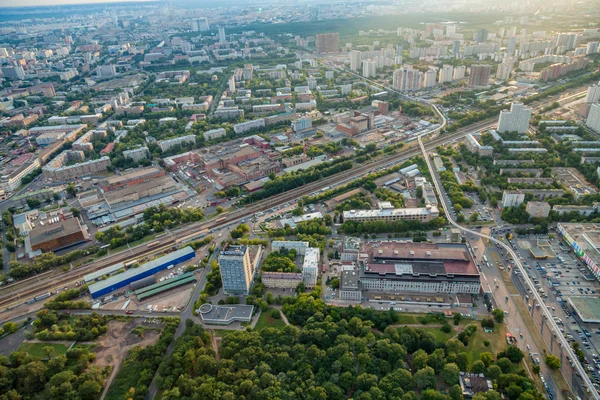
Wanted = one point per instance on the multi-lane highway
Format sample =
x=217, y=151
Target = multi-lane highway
x=564, y=346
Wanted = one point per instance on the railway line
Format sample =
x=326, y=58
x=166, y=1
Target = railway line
x=17, y=292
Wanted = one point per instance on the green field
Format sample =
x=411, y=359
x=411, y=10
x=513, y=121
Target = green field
x=37, y=349
x=440, y=336
x=497, y=341
x=266, y=321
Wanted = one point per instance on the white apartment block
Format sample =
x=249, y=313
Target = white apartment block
x=167, y=144
x=310, y=266
x=593, y=119
x=300, y=247
x=593, y=94
x=512, y=198
x=515, y=120
x=214, y=134
x=538, y=209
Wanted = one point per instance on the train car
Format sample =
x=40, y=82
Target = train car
x=220, y=220
x=153, y=244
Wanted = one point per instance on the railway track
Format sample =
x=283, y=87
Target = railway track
x=42, y=283
x=32, y=286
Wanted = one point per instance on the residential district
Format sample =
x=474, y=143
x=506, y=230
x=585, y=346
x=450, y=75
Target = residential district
x=299, y=200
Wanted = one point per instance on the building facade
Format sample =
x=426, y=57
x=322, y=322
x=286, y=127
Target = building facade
x=515, y=120
x=236, y=270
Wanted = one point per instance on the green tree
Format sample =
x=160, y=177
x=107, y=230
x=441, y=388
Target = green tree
x=450, y=373
x=71, y=189
x=552, y=361
x=424, y=378
x=498, y=315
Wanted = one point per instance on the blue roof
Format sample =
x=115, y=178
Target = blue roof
x=133, y=272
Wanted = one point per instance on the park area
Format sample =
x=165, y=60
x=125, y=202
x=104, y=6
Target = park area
x=44, y=349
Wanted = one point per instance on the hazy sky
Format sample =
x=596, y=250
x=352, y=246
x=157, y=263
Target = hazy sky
x=26, y=3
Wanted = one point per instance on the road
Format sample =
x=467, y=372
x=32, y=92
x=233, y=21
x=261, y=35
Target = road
x=547, y=320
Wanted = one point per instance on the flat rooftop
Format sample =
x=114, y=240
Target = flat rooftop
x=588, y=308
x=132, y=272
x=57, y=230
x=584, y=239
x=138, y=173
x=224, y=315
x=415, y=259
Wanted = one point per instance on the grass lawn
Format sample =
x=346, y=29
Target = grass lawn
x=266, y=321
x=407, y=319
x=37, y=349
x=497, y=341
x=221, y=332
x=440, y=336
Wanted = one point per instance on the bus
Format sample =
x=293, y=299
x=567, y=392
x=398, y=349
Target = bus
x=485, y=259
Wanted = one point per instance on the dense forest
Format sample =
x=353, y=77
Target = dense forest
x=335, y=353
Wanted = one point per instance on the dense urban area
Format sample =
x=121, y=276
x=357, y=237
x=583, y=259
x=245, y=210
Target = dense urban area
x=300, y=200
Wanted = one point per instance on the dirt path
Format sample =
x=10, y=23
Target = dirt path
x=215, y=346
x=115, y=344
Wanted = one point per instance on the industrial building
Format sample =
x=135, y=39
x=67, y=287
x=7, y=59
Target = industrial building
x=55, y=234
x=422, y=214
x=119, y=281
x=398, y=267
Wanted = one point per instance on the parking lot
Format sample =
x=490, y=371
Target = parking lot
x=556, y=279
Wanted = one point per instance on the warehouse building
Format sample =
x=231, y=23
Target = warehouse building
x=55, y=234
x=119, y=281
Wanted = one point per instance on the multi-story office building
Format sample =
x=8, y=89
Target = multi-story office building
x=301, y=124
x=236, y=269
x=222, y=38
x=512, y=198
x=538, y=209
x=327, y=42
x=392, y=267
x=479, y=75
x=515, y=120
